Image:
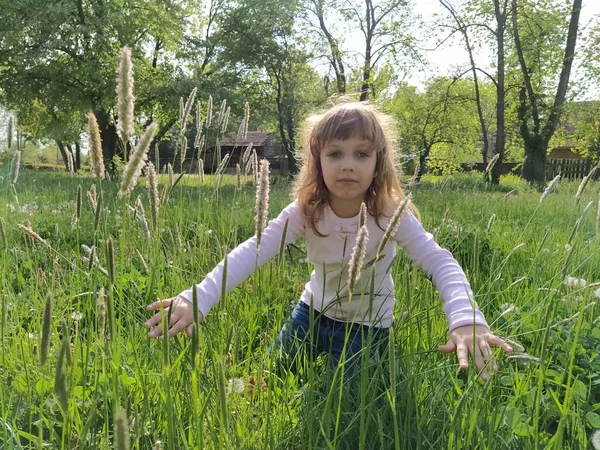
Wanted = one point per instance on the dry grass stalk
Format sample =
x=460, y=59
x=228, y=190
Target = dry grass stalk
x=121, y=431
x=246, y=156
x=209, y=109
x=223, y=164
x=392, y=226
x=153, y=199
x=36, y=237
x=101, y=305
x=584, y=183
x=222, y=113
x=246, y=120
x=492, y=163
x=171, y=175
x=140, y=215
x=491, y=222
x=362, y=215
x=134, y=166
x=92, y=198
x=255, y=165
x=238, y=173
x=186, y=110
x=15, y=167
x=198, y=121
x=550, y=188
x=142, y=261
x=201, y=169
x=357, y=259
x=125, y=96
x=262, y=201
x=95, y=153
x=226, y=120
x=46, y=325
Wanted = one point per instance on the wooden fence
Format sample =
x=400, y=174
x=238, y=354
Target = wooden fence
x=569, y=169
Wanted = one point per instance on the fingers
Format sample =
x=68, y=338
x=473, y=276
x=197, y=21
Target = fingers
x=190, y=330
x=495, y=340
x=159, y=304
x=154, y=320
x=462, y=352
x=486, y=351
x=178, y=326
x=479, y=362
x=448, y=347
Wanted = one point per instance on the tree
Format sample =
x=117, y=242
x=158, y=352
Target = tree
x=260, y=36
x=385, y=26
x=476, y=16
x=63, y=55
x=537, y=29
x=443, y=117
x=316, y=9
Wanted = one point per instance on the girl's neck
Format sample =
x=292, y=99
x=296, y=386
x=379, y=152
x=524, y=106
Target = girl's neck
x=345, y=210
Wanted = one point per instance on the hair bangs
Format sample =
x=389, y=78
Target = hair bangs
x=345, y=122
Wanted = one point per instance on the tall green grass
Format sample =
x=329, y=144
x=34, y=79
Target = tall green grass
x=226, y=389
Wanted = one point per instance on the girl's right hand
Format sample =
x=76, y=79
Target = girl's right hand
x=182, y=317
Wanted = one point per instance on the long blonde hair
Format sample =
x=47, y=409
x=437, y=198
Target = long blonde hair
x=344, y=121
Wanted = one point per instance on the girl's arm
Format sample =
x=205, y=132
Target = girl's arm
x=449, y=278
x=241, y=263
x=469, y=332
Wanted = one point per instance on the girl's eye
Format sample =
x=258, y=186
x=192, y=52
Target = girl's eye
x=334, y=154
x=363, y=155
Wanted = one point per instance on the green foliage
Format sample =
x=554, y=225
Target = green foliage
x=520, y=260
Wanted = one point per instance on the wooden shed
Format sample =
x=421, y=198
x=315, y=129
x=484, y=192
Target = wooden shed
x=263, y=143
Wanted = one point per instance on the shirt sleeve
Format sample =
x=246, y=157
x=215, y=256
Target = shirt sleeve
x=243, y=261
x=449, y=278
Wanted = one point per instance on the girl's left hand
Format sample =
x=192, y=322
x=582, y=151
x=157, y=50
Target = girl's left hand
x=476, y=341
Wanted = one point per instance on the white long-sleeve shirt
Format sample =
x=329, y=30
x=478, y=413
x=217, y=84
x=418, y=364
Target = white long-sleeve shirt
x=327, y=288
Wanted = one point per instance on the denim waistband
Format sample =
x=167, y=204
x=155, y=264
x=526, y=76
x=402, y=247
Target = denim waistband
x=320, y=317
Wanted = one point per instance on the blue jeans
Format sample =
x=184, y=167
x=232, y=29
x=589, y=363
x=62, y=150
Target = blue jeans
x=340, y=340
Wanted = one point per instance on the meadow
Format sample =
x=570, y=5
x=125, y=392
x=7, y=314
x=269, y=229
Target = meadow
x=78, y=370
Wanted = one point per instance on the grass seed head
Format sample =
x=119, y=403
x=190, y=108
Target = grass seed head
x=136, y=163
x=121, y=431
x=262, y=201
x=125, y=95
x=15, y=167
x=246, y=120
x=392, y=226
x=101, y=314
x=92, y=198
x=584, y=183
x=36, y=237
x=357, y=259
x=186, y=110
x=550, y=188
x=95, y=153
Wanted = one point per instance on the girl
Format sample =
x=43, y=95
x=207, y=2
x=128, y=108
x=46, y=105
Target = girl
x=348, y=159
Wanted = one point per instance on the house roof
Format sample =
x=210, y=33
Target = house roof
x=257, y=138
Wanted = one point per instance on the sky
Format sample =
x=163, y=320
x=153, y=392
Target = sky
x=452, y=53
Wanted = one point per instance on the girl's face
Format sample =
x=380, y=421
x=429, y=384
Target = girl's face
x=348, y=170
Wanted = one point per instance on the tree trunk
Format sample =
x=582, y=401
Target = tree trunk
x=501, y=17
x=108, y=135
x=63, y=153
x=534, y=167
x=77, y=156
